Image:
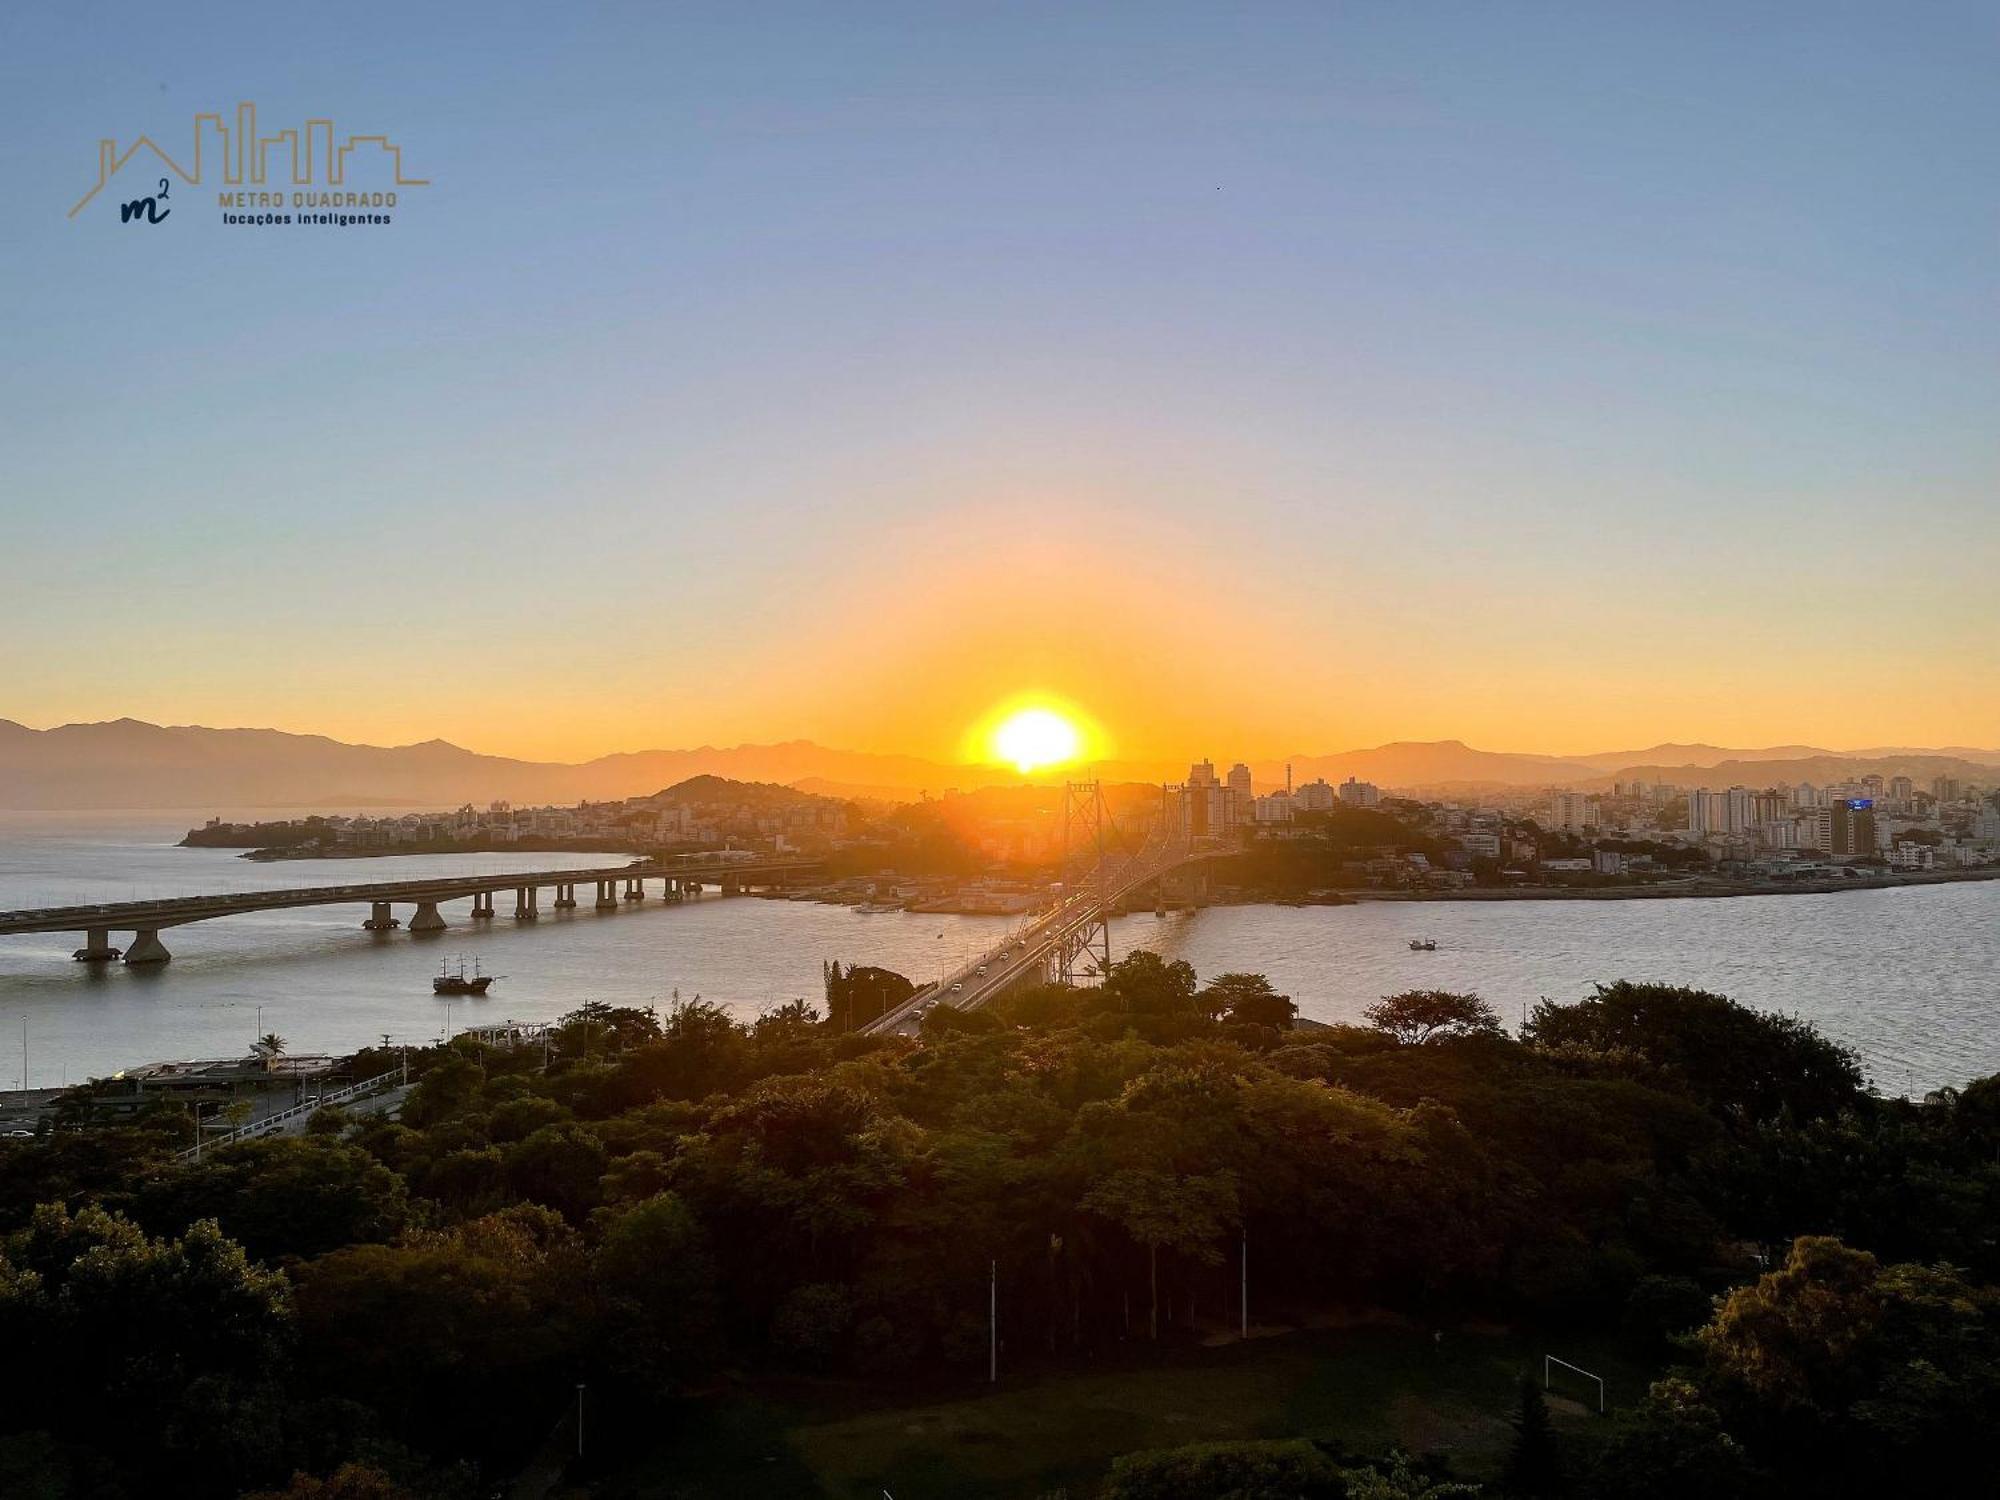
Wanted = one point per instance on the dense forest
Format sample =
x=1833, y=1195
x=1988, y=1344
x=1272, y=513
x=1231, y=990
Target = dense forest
x=668, y=1206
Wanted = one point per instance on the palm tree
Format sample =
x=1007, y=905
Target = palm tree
x=270, y=1046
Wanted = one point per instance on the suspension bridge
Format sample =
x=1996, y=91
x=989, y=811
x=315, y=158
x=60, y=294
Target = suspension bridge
x=1070, y=938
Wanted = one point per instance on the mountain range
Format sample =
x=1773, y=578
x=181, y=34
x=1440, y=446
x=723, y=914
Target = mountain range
x=126, y=763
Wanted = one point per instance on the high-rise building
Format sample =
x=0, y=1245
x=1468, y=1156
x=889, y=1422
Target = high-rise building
x=1704, y=812
x=1360, y=793
x=1901, y=789
x=1241, y=801
x=1573, y=812
x=1945, y=789
x=1852, y=831
x=1274, y=808
x=1314, y=796
x=1207, y=801
x=1814, y=827
x=1739, y=804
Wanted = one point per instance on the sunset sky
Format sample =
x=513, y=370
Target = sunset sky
x=1257, y=379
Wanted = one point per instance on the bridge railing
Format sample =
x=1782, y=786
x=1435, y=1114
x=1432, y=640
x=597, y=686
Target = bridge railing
x=271, y=1124
x=1161, y=853
x=405, y=890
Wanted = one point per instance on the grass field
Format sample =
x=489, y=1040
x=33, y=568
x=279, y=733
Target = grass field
x=1367, y=1388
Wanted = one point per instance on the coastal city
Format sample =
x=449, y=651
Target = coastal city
x=980, y=851
x=1044, y=751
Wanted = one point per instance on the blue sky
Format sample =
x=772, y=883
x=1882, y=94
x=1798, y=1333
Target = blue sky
x=1552, y=376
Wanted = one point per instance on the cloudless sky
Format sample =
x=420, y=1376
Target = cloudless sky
x=1262, y=378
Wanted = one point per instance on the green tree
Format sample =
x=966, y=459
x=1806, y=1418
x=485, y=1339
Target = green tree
x=655, y=1268
x=1673, y=1448
x=1397, y=1478
x=1856, y=1373
x=1534, y=1459
x=1160, y=1210
x=559, y=1165
x=1284, y=1469
x=461, y=1340
x=1747, y=1066
x=1142, y=983
x=161, y=1332
x=1249, y=999
x=298, y=1196
x=1417, y=1017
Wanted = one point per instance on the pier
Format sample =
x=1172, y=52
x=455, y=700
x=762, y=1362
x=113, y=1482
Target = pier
x=613, y=887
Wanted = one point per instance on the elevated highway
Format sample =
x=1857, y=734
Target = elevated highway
x=145, y=920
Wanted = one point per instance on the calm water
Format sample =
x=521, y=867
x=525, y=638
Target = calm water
x=1911, y=977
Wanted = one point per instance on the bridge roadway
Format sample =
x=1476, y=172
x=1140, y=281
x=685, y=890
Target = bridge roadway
x=146, y=919
x=1037, y=947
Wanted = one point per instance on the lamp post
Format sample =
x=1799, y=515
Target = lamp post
x=1244, y=1299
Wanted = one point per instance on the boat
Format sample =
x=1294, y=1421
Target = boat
x=1423, y=945
x=458, y=982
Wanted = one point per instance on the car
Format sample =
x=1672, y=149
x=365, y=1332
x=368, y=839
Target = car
x=982, y=968
x=956, y=988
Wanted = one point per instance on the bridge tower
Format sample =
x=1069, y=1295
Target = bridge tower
x=1085, y=950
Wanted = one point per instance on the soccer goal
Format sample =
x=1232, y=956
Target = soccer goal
x=1549, y=1366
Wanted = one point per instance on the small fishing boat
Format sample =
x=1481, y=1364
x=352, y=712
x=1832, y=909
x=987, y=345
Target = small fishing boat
x=451, y=981
x=1423, y=945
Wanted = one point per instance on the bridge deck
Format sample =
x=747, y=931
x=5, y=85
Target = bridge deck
x=176, y=910
x=1006, y=964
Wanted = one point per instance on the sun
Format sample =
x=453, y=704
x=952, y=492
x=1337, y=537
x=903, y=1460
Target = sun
x=1031, y=738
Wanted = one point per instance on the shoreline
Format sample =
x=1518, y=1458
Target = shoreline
x=1705, y=889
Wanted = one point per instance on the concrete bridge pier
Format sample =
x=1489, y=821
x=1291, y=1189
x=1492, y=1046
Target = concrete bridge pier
x=147, y=949
x=482, y=906
x=380, y=918
x=635, y=890
x=96, y=947
x=565, y=896
x=670, y=890
x=607, y=895
x=427, y=918
x=525, y=907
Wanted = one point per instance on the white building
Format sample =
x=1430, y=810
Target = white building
x=1908, y=856
x=1314, y=796
x=1573, y=812
x=1241, y=803
x=1275, y=808
x=1360, y=793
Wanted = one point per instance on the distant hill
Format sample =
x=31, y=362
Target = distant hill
x=1696, y=755
x=705, y=789
x=1414, y=764
x=127, y=763
x=1920, y=767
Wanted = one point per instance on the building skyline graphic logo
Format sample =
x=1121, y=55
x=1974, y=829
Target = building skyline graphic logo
x=247, y=157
